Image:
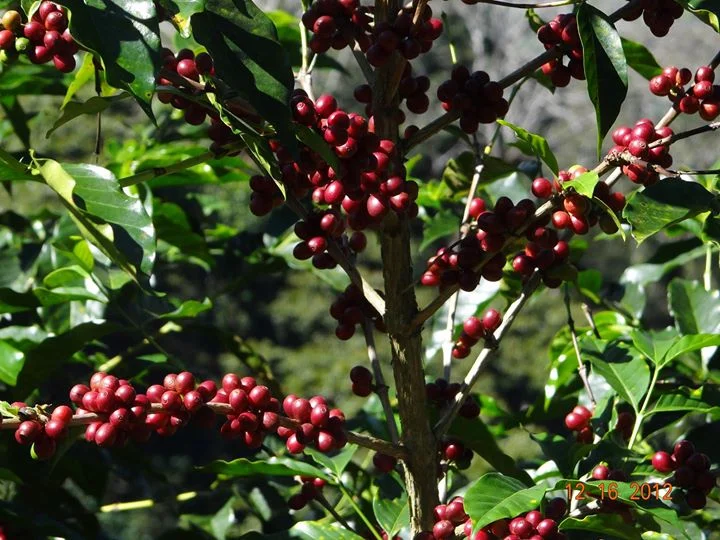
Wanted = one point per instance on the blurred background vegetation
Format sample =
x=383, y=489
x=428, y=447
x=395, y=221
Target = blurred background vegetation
x=274, y=316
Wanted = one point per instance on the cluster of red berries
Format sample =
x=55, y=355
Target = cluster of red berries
x=441, y=394
x=659, y=15
x=315, y=231
x=320, y=426
x=337, y=24
x=43, y=38
x=350, y=309
x=310, y=488
x=458, y=266
x=362, y=381
x=579, y=420
x=254, y=410
x=637, y=141
x=370, y=184
x=691, y=471
x=609, y=504
x=474, y=330
x=703, y=98
x=533, y=525
x=563, y=31
x=412, y=90
x=120, y=413
x=478, y=99
x=409, y=39
x=604, y=472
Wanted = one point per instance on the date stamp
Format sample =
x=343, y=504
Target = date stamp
x=641, y=491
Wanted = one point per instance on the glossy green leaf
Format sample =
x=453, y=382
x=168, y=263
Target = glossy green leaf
x=188, y=309
x=538, y=144
x=495, y=496
x=223, y=519
x=31, y=79
x=180, y=12
x=249, y=58
x=336, y=463
x=15, y=302
x=115, y=222
x=605, y=67
x=696, y=310
x=640, y=59
x=534, y=20
x=605, y=524
x=583, y=184
x=391, y=508
x=270, y=467
x=316, y=530
x=702, y=400
x=81, y=77
x=93, y=105
x=708, y=11
x=690, y=343
x=126, y=36
x=476, y=435
x=666, y=203
x=11, y=363
x=11, y=169
x=624, y=369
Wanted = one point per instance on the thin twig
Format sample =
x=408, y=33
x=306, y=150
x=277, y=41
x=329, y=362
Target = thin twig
x=381, y=388
x=364, y=65
x=322, y=501
x=591, y=320
x=305, y=75
x=98, y=121
x=369, y=292
x=582, y=369
x=443, y=424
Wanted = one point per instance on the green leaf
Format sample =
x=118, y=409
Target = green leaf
x=624, y=369
x=93, y=105
x=459, y=171
x=534, y=20
x=181, y=11
x=708, y=11
x=310, y=138
x=11, y=169
x=583, y=184
x=223, y=519
x=605, y=67
x=476, y=435
x=31, y=79
x=564, y=452
x=702, y=400
x=173, y=227
x=126, y=36
x=249, y=58
x=17, y=117
x=664, y=204
x=12, y=361
x=640, y=59
x=686, y=344
x=696, y=310
x=390, y=507
x=115, y=222
x=494, y=496
x=8, y=475
x=336, y=463
x=606, y=524
x=188, y=309
x=81, y=77
x=653, y=344
x=316, y=530
x=538, y=144
x=15, y=302
x=270, y=467
x=441, y=225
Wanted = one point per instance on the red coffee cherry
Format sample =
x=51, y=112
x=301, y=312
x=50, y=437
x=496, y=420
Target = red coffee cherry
x=663, y=462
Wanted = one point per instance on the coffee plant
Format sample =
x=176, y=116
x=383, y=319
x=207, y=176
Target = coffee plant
x=95, y=313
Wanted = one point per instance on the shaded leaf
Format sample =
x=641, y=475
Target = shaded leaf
x=623, y=368
x=640, y=59
x=666, y=203
x=336, y=463
x=708, y=11
x=441, y=225
x=538, y=144
x=612, y=524
x=494, y=496
x=12, y=361
x=270, y=467
x=93, y=105
x=605, y=67
x=249, y=58
x=702, y=400
x=583, y=184
x=126, y=36
x=696, y=310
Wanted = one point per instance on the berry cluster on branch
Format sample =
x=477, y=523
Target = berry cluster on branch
x=562, y=31
x=440, y=393
x=579, y=421
x=703, y=97
x=691, y=472
x=658, y=15
x=637, y=140
x=43, y=38
x=114, y=412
